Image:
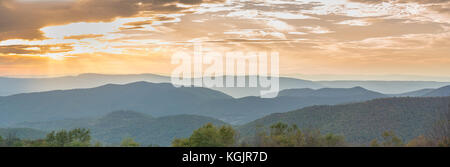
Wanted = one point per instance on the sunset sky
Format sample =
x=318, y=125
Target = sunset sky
x=316, y=39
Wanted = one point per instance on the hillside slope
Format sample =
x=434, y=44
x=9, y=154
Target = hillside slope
x=155, y=99
x=115, y=126
x=160, y=100
x=440, y=92
x=22, y=133
x=386, y=87
x=362, y=122
x=11, y=86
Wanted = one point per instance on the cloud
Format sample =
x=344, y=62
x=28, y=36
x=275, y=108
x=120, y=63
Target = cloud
x=401, y=1
x=439, y=41
x=279, y=25
x=441, y=6
x=317, y=30
x=286, y=15
x=355, y=23
x=255, y=33
x=34, y=49
x=84, y=36
x=24, y=19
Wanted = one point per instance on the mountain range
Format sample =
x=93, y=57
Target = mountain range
x=113, y=127
x=22, y=133
x=362, y=122
x=386, y=87
x=10, y=86
x=155, y=113
x=162, y=99
x=156, y=99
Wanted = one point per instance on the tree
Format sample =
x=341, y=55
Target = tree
x=331, y=140
x=74, y=138
x=283, y=135
x=129, y=142
x=80, y=135
x=1, y=141
x=389, y=140
x=181, y=143
x=420, y=141
x=12, y=140
x=36, y=143
x=209, y=136
x=227, y=135
x=98, y=144
x=374, y=143
x=440, y=132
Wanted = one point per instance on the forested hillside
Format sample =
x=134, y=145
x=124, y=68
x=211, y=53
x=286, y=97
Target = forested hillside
x=145, y=129
x=362, y=122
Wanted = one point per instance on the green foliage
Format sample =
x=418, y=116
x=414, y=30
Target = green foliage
x=73, y=138
x=115, y=126
x=209, y=136
x=334, y=140
x=374, y=143
x=181, y=143
x=36, y=143
x=283, y=135
x=11, y=140
x=444, y=143
x=440, y=132
x=389, y=140
x=129, y=142
x=420, y=141
x=98, y=144
x=360, y=123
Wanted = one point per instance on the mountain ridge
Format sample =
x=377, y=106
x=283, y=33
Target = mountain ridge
x=362, y=122
x=12, y=86
x=115, y=126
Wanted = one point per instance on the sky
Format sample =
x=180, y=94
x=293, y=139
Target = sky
x=316, y=39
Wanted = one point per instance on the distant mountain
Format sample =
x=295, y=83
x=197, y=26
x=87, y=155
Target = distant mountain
x=416, y=93
x=22, y=133
x=386, y=87
x=356, y=92
x=362, y=122
x=284, y=83
x=161, y=100
x=438, y=92
x=10, y=86
x=243, y=110
x=145, y=129
x=444, y=91
x=155, y=99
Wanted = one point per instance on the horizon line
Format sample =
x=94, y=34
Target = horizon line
x=308, y=77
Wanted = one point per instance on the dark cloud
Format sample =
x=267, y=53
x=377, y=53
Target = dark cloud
x=24, y=19
x=139, y=23
x=27, y=49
